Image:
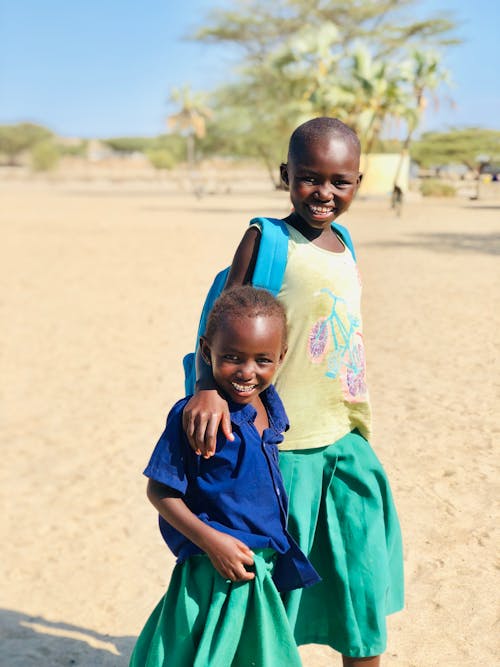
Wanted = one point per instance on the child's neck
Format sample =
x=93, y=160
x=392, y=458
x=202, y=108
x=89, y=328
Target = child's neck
x=261, y=419
x=323, y=238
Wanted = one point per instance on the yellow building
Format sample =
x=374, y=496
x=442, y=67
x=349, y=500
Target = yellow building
x=379, y=171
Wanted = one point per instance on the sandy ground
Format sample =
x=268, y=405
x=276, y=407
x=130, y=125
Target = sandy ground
x=97, y=307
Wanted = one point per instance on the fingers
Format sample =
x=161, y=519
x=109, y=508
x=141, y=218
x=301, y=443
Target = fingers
x=245, y=557
x=231, y=558
x=238, y=573
x=208, y=443
x=246, y=576
x=207, y=439
x=226, y=425
x=188, y=424
x=201, y=430
x=201, y=418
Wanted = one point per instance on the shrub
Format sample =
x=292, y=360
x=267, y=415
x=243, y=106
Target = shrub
x=161, y=158
x=44, y=156
x=15, y=139
x=436, y=188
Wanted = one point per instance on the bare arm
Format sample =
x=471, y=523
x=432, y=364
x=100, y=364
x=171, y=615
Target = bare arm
x=227, y=554
x=207, y=410
x=244, y=258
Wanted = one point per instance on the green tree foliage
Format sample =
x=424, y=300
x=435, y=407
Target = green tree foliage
x=172, y=144
x=129, y=144
x=78, y=149
x=45, y=155
x=258, y=27
x=363, y=62
x=436, y=188
x=163, y=151
x=19, y=138
x=469, y=146
x=161, y=158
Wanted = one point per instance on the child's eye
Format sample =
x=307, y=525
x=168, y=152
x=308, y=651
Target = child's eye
x=305, y=178
x=264, y=360
x=230, y=357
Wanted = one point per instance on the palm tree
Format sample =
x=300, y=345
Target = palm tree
x=191, y=119
x=423, y=73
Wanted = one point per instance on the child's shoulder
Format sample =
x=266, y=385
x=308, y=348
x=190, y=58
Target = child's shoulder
x=174, y=416
x=275, y=233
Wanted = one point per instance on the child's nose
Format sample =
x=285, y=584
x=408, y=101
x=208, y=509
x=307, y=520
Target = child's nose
x=246, y=370
x=324, y=191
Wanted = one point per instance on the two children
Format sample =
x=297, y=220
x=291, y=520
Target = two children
x=341, y=510
x=225, y=517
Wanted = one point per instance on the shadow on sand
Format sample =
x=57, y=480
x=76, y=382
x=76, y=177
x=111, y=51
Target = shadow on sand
x=200, y=209
x=483, y=207
x=486, y=244
x=32, y=641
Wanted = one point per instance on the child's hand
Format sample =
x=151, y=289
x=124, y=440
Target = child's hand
x=201, y=418
x=229, y=557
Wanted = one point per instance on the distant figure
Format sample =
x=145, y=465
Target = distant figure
x=225, y=517
x=397, y=200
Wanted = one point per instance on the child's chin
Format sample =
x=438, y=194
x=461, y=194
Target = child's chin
x=238, y=397
x=242, y=397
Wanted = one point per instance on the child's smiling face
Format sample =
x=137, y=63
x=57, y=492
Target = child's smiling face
x=245, y=354
x=323, y=180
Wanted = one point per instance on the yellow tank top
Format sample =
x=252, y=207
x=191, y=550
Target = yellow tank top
x=322, y=380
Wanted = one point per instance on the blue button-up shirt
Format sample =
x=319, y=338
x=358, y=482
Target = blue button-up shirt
x=238, y=491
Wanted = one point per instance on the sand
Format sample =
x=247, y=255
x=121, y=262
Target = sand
x=97, y=307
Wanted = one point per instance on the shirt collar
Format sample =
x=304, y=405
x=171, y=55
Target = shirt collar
x=278, y=419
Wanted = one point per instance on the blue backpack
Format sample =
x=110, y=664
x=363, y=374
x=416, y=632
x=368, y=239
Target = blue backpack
x=268, y=274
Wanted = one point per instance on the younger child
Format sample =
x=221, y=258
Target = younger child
x=225, y=517
x=341, y=509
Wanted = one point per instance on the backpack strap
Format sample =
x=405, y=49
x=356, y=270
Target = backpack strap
x=273, y=251
x=343, y=232
x=272, y=256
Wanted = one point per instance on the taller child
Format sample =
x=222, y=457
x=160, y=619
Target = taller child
x=341, y=509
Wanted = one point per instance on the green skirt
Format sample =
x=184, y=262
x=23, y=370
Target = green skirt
x=204, y=620
x=342, y=515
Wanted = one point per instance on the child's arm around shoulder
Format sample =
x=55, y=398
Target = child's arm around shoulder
x=227, y=554
x=207, y=410
x=243, y=264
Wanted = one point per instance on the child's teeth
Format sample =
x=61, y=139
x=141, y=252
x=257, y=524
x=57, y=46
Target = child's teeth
x=240, y=387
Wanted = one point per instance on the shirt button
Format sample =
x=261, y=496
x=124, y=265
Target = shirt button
x=278, y=492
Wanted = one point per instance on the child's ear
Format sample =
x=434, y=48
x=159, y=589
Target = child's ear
x=205, y=351
x=360, y=178
x=284, y=173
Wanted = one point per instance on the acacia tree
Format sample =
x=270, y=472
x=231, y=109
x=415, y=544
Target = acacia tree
x=464, y=146
x=16, y=139
x=302, y=58
x=191, y=118
x=258, y=27
x=423, y=74
x=472, y=147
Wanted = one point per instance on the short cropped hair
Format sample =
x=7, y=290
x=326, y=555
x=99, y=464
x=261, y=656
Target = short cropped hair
x=316, y=129
x=244, y=301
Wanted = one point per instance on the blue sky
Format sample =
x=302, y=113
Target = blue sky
x=101, y=68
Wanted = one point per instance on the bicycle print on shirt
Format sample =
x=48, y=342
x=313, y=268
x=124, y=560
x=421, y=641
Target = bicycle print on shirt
x=337, y=342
